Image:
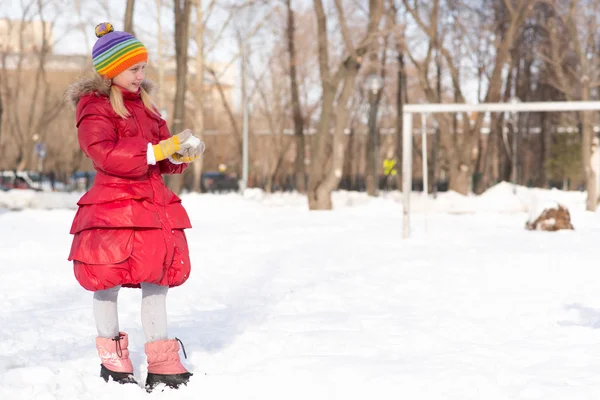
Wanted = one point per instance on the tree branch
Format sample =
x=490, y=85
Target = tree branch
x=209, y=10
x=322, y=41
x=344, y=27
x=509, y=7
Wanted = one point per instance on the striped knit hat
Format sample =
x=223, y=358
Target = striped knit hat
x=114, y=52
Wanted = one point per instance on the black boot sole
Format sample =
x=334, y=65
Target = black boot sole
x=120, y=377
x=173, y=381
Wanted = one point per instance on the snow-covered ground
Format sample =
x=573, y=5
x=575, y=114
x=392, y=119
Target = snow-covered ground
x=284, y=303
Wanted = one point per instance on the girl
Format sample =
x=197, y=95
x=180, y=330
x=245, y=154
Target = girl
x=128, y=230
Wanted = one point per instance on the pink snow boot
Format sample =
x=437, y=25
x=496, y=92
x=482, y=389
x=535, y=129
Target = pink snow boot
x=115, y=358
x=164, y=365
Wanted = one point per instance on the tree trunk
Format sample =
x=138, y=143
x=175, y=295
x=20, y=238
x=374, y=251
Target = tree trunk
x=319, y=199
x=482, y=163
x=400, y=100
x=1, y=114
x=460, y=177
x=321, y=182
x=299, y=168
x=479, y=165
x=356, y=151
x=160, y=59
x=182, y=10
x=504, y=138
x=129, y=16
x=199, y=95
x=545, y=137
x=541, y=180
x=319, y=196
x=371, y=170
x=489, y=155
x=348, y=174
x=245, y=102
x=435, y=146
x=503, y=143
x=334, y=175
x=269, y=183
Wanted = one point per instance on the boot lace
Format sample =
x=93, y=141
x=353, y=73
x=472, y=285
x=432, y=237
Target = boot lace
x=182, y=347
x=118, y=347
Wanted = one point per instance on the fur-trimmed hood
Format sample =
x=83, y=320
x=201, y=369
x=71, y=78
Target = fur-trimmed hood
x=95, y=83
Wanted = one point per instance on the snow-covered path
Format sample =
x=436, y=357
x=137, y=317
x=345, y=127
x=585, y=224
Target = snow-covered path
x=284, y=303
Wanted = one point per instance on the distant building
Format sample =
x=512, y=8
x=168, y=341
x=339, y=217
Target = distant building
x=22, y=53
x=25, y=37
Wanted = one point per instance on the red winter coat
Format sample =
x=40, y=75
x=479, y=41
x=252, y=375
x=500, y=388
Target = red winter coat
x=129, y=225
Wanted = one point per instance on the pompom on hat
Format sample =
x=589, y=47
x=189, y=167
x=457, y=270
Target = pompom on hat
x=115, y=51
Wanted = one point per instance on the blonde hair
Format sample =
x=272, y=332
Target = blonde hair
x=116, y=101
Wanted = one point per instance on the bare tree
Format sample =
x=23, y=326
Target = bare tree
x=198, y=91
x=182, y=11
x=228, y=110
x=31, y=104
x=321, y=180
x=459, y=147
x=160, y=55
x=296, y=107
x=272, y=105
x=377, y=66
x=487, y=164
x=82, y=24
x=1, y=111
x=243, y=35
x=129, y=16
x=575, y=69
x=202, y=18
x=401, y=82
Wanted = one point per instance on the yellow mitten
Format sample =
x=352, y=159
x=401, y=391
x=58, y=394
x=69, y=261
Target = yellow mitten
x=183, y=159
x=168, y=147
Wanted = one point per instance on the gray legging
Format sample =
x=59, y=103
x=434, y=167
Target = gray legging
x=154, y=311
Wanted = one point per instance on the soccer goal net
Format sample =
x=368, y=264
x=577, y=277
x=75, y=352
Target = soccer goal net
x=425, y=109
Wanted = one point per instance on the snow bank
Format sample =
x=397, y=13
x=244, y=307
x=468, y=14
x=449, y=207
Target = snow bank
x=502, y=198
x=18, y=199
